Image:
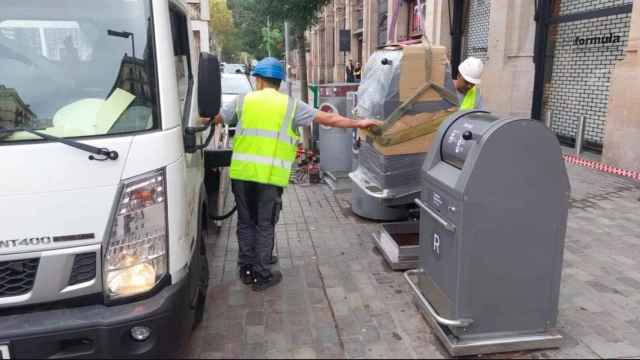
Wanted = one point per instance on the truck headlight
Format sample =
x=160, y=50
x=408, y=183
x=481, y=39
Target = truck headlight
x=136, y=257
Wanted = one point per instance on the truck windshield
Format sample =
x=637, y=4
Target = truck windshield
x=76, y=68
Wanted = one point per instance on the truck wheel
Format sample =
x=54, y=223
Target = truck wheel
x=203, y=280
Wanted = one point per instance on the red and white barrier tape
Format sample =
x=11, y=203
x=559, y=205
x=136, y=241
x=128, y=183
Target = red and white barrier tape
x=575, y=160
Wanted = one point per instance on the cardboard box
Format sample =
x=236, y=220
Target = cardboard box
x=419, y=65
x=417, y=145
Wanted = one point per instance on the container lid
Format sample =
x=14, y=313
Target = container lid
x=462, y=135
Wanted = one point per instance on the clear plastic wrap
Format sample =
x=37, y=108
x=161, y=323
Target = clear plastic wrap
x=380, y=84
x=392, y=172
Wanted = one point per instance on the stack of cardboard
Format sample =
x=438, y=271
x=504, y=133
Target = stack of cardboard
x=398, y=172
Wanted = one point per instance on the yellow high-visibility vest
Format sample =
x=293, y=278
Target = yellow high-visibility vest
x=264, y=147
x=470, y=98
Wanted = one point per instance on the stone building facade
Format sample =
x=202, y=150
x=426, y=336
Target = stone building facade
x=369, y=25
x=200, y=17
x=590, y=56
x=13, y=111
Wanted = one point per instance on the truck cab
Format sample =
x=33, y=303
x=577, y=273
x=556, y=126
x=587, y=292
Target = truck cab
x=103, y=207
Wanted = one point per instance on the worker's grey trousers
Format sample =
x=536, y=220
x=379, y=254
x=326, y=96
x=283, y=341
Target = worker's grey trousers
x=259, y=209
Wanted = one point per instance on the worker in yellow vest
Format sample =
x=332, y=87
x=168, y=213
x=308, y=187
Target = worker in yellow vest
x=469, y=77
x=264, y=149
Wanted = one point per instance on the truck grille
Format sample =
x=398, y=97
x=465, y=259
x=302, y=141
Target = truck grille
x=17, y=277
x=84, y=269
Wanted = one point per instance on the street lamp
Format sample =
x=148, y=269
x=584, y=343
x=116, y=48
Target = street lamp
x=125, y=35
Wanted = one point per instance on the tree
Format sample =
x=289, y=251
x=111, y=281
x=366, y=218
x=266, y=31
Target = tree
x=222, y=26
x=250, y=19
x=301, y=15
x=271, y=38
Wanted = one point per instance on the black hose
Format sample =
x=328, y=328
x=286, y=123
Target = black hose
x=225, y=216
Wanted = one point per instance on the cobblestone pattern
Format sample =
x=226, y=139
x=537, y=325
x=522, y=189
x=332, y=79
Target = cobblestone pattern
x=339, y=299
x=476, y=29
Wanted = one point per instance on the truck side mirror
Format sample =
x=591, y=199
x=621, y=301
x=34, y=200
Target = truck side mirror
x=209, y=86
x=209, y=101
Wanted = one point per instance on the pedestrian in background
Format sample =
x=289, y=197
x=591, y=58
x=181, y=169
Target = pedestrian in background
x=350, y=72
x=264, y=150
x=357, y=72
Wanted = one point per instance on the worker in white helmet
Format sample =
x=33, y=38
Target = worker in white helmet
x=469, y=77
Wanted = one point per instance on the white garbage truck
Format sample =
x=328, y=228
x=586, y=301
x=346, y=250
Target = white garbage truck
x=103, y=208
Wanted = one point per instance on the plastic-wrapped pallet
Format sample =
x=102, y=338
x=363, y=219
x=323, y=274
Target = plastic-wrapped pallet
x=410, y=88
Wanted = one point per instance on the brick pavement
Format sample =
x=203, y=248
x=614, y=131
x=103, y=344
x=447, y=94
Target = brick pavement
x=339, y=299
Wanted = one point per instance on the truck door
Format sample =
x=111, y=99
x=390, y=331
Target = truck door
x=185, y=72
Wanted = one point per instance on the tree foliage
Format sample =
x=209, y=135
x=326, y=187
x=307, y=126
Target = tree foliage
x=250, y=20
x=223, y=29
x=251, y=17
x=301, y=15
x=271, y=39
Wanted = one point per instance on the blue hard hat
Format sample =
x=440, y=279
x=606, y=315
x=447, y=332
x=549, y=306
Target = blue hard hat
x=270, y=68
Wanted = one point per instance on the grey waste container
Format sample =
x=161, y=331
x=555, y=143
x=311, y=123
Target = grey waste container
x=335, y=146
x=334, y=94
x=494, y=208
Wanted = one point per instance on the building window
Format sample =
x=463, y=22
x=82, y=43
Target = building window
x=195, y=10
x=383, y=28
x=416, y=18
x=359, y=15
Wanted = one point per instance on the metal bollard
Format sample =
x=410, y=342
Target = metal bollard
x=580, y=134
x=547, y=121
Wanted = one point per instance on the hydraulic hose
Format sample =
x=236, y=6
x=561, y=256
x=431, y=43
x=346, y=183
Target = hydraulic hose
x=225, y=216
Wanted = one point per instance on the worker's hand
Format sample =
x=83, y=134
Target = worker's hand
x=368, y=124
x=217, y=120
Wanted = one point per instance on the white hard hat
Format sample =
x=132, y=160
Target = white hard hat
x=471, y=70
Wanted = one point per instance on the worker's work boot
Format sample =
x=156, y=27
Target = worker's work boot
x=274, y=260
x=262, y=283
x=246, y=274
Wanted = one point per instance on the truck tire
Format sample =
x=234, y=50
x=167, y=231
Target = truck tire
x=203, y=275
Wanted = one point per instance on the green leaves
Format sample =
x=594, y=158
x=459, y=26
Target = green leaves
x=301, y=14
x=223, y=29
x=251, y=18
x=271, y=39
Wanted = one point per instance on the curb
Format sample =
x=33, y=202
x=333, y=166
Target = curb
x=575, y=160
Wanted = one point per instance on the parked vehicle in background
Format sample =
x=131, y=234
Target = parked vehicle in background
x=234, y=85
x=234, y=68
x=103, y=207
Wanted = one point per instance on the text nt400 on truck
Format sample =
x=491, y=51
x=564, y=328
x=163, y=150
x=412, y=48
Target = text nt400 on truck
x=102, y=204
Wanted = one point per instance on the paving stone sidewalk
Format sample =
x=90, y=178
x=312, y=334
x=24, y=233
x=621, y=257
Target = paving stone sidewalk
x=339, y=299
